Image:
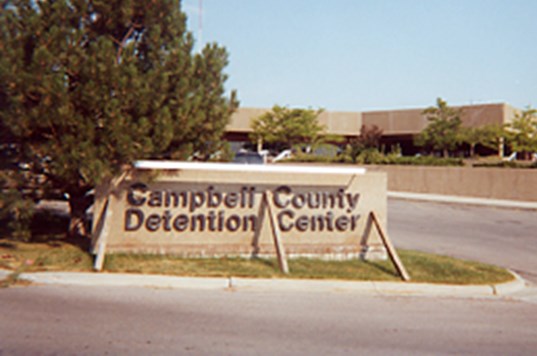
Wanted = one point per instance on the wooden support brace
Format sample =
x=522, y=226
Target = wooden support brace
x=102, y=214
x=390, y=249
x=99, y=258
x=276, y=235
x=100, y=235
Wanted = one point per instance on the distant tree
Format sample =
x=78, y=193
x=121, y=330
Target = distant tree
x=490, y=136
x=369, y=138
x=493, y=136
x=523, y=132
x=288, y=127
x=87, y=87
x=472, y=136
x=442, y=132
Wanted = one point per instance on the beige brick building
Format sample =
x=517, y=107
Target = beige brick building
x=398, y=126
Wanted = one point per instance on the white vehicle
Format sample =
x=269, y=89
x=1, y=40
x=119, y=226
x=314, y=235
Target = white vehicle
x=283, y=155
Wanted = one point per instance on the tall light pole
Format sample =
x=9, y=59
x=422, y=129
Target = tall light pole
x=200, y=25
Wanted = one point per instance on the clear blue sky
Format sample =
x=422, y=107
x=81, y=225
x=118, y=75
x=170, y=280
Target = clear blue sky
x=358, y=55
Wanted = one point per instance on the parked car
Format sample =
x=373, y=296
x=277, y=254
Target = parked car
x=248, y=157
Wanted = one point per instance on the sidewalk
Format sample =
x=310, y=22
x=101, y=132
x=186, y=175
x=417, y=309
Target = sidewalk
x=464, y=200
x=251, y=284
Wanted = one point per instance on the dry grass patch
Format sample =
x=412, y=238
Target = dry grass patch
x=55, y=255
x=422, y=267
x=59, y=255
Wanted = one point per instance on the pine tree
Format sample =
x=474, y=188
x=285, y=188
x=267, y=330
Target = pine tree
x=87, y=87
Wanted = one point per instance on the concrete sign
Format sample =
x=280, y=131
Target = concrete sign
x=215, y=209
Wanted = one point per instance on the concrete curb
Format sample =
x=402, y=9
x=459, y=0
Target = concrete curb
x=382, y=288
x=253, y=284
x=464, y=200
x=509, y=288
x=124, y=280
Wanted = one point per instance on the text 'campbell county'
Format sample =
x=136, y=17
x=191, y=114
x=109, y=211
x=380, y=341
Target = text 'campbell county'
x=213, y=210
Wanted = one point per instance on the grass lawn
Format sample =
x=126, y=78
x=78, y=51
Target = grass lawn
x=61, y=255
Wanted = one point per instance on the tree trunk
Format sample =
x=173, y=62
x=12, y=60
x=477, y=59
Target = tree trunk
x=446, y=153
x=501, y=143
x=79, y=202
x=472, y=150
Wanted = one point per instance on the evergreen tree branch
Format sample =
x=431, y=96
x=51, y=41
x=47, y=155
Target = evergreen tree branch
x=121, y=44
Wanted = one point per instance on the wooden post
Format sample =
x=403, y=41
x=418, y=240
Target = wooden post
x=259, y=144
x=280, y=251
x=99, y=258
x=390, y=249
x=100, y=234
x=102, y=216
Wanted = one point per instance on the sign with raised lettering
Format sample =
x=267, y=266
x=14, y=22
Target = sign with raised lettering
x=209, y=209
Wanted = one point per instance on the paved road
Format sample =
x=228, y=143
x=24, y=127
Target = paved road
x=122, y=320
x=53, y=320
x=505, y=237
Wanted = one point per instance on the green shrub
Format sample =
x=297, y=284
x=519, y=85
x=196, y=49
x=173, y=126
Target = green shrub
x=373, y=156
x=16, y=213
x=506, y=164
x=426, y=161
x=309, y=158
